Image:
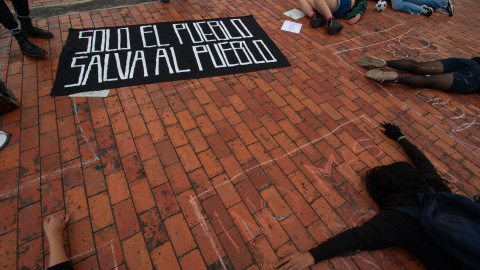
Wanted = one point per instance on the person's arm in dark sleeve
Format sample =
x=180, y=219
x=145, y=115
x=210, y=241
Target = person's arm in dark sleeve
x=61, y=266
x=423, y=165
x=378, y=233
x=420, y=161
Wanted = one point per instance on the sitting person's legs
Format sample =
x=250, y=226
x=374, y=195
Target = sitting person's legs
x=6, y=17
x=320, y=13
x=9, y=22
x=23, y=12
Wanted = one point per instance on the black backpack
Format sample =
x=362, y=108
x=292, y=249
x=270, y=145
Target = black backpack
x=453, y=222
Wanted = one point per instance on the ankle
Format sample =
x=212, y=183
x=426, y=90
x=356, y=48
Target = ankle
x=330, y=21
x=15, y=31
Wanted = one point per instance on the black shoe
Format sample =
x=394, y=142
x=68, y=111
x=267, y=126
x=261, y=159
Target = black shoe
x=317, y=21
x=449, y=8
x=427, y=11
x=334, y=27
x=29, y=30
x=27, y=47
x=165, y=1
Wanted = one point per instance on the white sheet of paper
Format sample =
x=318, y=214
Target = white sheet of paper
x=100, y=93
x=294, y=14
x=292, y=27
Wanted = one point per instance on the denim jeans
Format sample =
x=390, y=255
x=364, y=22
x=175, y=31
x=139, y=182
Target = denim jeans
x=415, y=6
x=342, y=8
x=466, y=75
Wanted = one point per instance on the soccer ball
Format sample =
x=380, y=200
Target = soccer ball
x=381, y=5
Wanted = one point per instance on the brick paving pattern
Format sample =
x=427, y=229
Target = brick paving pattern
x=227, y=172
x=38, y=3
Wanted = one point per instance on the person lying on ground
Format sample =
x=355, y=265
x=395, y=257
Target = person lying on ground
x=324, y=12
x=454, y=75
x=423, y=7
x=23, y=15
x=53, y=227
x=391, y=185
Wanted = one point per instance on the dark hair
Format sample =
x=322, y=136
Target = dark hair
x=400, y=177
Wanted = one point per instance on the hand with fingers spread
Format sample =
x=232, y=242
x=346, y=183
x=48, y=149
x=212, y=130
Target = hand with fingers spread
x=295, y=261
x=392, y=131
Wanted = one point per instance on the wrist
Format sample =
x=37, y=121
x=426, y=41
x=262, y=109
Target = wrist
x=310, y=259
x=401, y=137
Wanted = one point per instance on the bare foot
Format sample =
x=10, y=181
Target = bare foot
x=54, y=225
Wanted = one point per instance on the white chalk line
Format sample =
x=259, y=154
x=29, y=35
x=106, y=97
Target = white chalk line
x=206, y=231
x=94, y=250
x=81, y=129
x=374, y=44
x=287, y=154
x=7, y=193
x=369, y=33
x=114, y=256
x=195, y=206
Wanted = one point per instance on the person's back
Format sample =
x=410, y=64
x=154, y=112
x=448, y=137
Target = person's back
x=393, y=185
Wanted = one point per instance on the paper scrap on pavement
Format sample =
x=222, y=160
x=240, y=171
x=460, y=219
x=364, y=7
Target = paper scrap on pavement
x=292, y=27
x=100, y=93
x=294, y=14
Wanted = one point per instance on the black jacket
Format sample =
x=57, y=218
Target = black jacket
x=392, y=228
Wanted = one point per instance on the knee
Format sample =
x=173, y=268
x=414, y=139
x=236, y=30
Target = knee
x=303, y=2
x=397, y=5
x=418, y=69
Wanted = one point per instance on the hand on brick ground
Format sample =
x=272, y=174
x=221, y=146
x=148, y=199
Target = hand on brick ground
x=54, y=225
x=295, y=261
x=392, y=131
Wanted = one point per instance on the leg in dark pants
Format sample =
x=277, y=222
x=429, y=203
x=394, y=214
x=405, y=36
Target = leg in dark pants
x=440, y=82
x=420, y=68
x=21, y=7
x=6, y=16
x=7, y=20
x=436, y=80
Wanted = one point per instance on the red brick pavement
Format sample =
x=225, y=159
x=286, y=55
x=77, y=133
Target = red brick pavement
x=226, y=172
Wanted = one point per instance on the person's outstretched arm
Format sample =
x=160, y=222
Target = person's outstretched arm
x=53, y=226
x=382, y=231
x=423, y=165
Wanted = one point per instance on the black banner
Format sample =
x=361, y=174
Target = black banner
x=105, y=58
